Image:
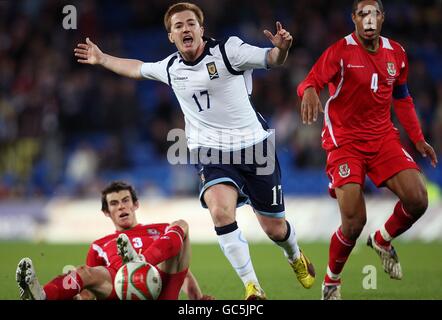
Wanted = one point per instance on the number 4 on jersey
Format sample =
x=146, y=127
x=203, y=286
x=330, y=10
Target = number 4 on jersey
x=374, y=82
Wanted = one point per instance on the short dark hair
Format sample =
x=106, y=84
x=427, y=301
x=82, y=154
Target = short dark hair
x=179, y=7
x=116, y=186
x=356, y=2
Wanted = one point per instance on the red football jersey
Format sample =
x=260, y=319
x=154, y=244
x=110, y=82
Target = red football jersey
x=103, y=252
x=361, y=88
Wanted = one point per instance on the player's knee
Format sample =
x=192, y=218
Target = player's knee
x=183, y=225
x=417, y=203
x=222, y=214
x=85, y=274
x=352, y=229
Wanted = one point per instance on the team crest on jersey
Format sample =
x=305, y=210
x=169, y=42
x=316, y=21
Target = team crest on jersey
x=391, y=68
x=153, y=232
x=213, y=71
x=344, y=170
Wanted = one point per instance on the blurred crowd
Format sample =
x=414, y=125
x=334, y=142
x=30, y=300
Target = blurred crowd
x=66, y=128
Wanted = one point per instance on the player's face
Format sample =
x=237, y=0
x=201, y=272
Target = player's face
x=368, y=20
x=122, y=210
x=187, y=34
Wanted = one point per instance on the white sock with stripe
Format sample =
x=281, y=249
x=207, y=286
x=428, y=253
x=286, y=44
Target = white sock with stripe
x=289, y=244
x=236, y=249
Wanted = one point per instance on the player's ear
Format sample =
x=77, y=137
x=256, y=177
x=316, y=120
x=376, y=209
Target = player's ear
x=106, y=213
x=202, y=31
x=170, y=37
x=136, y=205
x=353, y=18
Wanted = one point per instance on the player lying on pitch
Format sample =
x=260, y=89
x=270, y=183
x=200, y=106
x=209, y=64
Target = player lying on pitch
x=165, y=246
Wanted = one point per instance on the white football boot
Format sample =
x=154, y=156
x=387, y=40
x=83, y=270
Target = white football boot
x=126, y=251
x=30, y=288
x=331, y=292
x=389, y=258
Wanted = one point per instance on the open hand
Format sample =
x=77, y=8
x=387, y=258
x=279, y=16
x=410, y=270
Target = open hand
x=89, y=53
x=310, y=106
x=426, y=150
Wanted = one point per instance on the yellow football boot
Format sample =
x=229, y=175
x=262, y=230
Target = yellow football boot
x=254, y=292
x=304, y=270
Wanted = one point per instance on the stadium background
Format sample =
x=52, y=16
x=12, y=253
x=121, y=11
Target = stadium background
x=67, y=129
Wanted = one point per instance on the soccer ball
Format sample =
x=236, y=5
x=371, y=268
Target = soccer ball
x=138, y=281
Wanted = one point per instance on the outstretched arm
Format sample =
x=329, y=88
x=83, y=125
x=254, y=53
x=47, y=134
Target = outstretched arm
x=282, y=41
x=89, y=53
x=192, y=289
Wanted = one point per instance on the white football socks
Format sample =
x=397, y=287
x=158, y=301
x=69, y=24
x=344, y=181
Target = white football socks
x=290, y=245
x=236, y=250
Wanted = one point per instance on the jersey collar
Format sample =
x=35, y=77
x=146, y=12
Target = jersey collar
x=355, y=37
x=133, y=228
x=210, y=43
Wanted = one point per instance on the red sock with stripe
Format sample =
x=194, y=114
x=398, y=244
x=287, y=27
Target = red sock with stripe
x=340, y=249
x=166, y=247
x=399, y=222
x=64, y=287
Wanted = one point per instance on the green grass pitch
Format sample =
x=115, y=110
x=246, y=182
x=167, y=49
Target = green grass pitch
x=421, y=264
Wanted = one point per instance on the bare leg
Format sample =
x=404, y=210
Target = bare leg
x=410, y=188
x=97, y=280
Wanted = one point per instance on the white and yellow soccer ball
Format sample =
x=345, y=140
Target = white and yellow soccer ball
x=138, y=281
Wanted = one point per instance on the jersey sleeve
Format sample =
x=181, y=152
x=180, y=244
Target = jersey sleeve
x=93, y=259
x=403, y=102
x=156, y=70
x=323, y=71
x=402, y=60
x=243, y=56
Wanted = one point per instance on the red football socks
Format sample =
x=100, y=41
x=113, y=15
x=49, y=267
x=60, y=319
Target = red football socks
x=64, y=287
x=340, y=249
x=399, y=222
x=166, y=247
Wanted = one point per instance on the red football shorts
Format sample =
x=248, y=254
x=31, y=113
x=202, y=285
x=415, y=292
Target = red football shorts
x=379, y=159
x=171, y=284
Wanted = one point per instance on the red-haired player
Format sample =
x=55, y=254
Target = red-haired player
x=365, y=74
x=165, y=246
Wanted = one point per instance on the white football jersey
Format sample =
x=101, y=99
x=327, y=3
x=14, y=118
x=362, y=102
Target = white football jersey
x=214, y=92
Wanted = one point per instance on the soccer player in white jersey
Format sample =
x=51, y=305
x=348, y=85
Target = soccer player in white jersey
x=212, y=81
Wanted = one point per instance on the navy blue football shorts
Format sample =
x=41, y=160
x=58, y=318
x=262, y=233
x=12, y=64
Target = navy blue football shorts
x=253, y=171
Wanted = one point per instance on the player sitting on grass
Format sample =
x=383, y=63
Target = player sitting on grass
x=165, y=246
